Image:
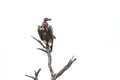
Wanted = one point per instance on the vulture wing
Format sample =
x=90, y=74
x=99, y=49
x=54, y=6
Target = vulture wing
x=50, y=32
x=40, y=32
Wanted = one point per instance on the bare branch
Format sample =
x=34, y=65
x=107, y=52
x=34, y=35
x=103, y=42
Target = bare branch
x=66, y=67
x=49, y=62
x=42, y=50
x=38, y=41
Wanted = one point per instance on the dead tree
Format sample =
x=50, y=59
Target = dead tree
x=54, y=75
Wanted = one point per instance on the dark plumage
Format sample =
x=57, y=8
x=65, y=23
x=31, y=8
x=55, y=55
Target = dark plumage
x=46, y=34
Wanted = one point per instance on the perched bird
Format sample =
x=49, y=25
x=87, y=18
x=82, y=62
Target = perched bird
x=45, y=32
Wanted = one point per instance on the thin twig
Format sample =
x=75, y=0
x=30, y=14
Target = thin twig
x=29, y=76
x=42, y=50
x=38, y=41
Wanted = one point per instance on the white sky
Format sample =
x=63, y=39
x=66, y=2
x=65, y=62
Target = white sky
x=88, y=29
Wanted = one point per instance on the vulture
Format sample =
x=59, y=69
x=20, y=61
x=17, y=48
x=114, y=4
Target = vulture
x=46, y=34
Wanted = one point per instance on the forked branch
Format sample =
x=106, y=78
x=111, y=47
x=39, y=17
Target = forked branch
x=36, y=75
x=66, y=67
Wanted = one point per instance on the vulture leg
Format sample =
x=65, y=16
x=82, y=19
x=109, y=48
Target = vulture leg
x=50, y=44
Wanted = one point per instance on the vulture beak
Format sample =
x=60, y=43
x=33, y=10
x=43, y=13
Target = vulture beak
x=49, y=19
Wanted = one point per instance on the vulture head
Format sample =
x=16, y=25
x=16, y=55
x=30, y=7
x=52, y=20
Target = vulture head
x=47, y=19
